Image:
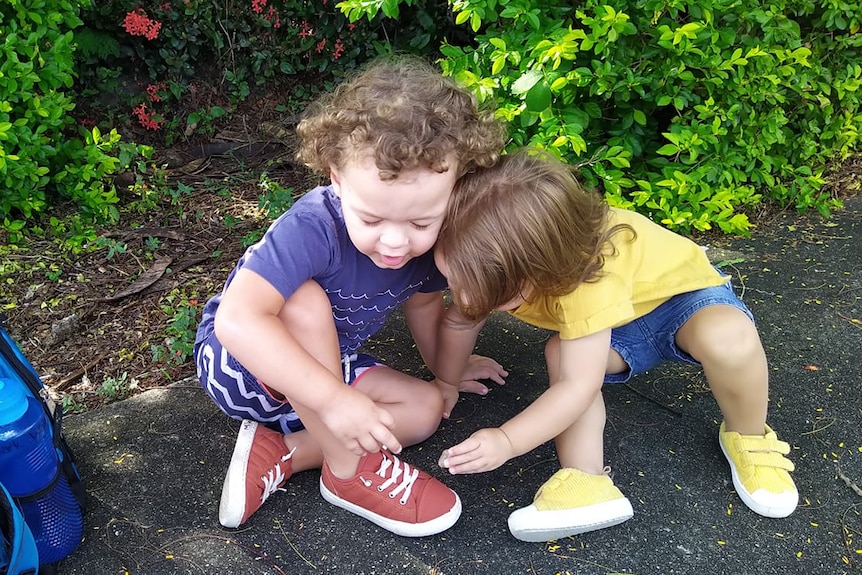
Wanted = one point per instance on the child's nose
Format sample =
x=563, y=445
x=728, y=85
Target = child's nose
x=393, y=239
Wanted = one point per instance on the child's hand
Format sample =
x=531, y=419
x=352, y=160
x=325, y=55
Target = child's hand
x=485, y=450
x=356, y=421
x=481, y=367
x=450, y=396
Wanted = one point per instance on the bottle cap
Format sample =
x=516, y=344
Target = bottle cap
x=13, y=400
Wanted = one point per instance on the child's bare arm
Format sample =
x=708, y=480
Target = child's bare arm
x=426, y=316
x=455, y=342
x=581, y=373
x=423, y=313
x=250, y=326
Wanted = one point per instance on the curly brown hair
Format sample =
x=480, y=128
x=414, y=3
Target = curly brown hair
x=525, y=222
x=408, y=114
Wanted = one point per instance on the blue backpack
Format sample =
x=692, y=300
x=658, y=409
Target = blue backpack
x=52, y=519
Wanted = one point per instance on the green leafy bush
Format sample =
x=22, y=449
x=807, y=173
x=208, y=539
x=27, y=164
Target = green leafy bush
x=44, y=157
x=692, y=111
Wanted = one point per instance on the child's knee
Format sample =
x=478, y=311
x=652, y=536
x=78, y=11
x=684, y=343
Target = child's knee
x=308, y=309
x=729, y=340
x=428, y=411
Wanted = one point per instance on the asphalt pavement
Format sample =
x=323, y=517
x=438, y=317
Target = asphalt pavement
x=155, y=463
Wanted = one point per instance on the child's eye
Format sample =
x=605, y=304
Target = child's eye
x=370, y=223
x=421, y=227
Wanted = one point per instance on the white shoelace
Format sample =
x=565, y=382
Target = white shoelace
x=274, y=477
x=399, y=470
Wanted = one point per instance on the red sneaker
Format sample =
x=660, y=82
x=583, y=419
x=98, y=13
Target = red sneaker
x=393, y=495
x=260, y=465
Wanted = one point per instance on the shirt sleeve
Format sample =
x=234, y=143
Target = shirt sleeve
x=595, y=306
x=297, y=247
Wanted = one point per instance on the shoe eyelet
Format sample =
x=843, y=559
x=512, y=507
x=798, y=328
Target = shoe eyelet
x=391, y=496
x=380, y=489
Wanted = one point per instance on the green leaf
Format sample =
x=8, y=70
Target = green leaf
x=559, y=83
x=539, y=97
x=390, y=8
x=498, y=65
x=498, y=43
x=527, y=80
x=475, y=22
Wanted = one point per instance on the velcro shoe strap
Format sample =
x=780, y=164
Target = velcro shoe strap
x=756, y=444
x=767, y=459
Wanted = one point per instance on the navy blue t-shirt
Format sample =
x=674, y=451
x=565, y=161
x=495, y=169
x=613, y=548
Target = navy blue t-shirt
x=310, y=241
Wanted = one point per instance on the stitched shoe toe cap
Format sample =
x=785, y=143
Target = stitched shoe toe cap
x=436, y=500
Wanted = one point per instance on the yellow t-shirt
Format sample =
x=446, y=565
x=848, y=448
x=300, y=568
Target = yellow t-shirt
x=642, y=275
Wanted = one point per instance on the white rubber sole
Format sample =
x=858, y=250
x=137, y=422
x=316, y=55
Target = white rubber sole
x=231, y=509
x=433, y=527
x=530, y=524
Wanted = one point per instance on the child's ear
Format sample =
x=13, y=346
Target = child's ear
x=336, y=181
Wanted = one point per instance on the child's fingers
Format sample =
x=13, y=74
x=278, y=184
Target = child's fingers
x=380, y=440
x=385, y=438
x=379, y=435
x=457, y=456
x=473, y=386
x=481, y=367
x=475, y=463
x=485, y=450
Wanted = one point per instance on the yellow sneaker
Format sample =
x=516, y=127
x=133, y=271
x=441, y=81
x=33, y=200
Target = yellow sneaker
x=761, y=473
x=568, y=503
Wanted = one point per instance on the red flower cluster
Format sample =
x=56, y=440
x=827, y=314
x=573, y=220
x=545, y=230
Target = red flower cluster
x=320, y=46
x=153, y=92
x=272, y=18
x=147, y=118
x=137, y=23
x=271, y=15
x=306, y=30
x=338, y=50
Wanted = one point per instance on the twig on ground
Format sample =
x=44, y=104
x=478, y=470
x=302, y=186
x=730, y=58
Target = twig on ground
x=76, y=375
x=841, y=475
x=292, y=546
x=655, y=401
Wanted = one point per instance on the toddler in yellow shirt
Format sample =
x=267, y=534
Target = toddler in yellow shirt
x=623, y=295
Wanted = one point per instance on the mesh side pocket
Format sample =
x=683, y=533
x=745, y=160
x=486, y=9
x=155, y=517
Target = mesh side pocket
x=56, y=522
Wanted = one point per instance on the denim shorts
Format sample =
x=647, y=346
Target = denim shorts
x=650, y=340
x=242, y=396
